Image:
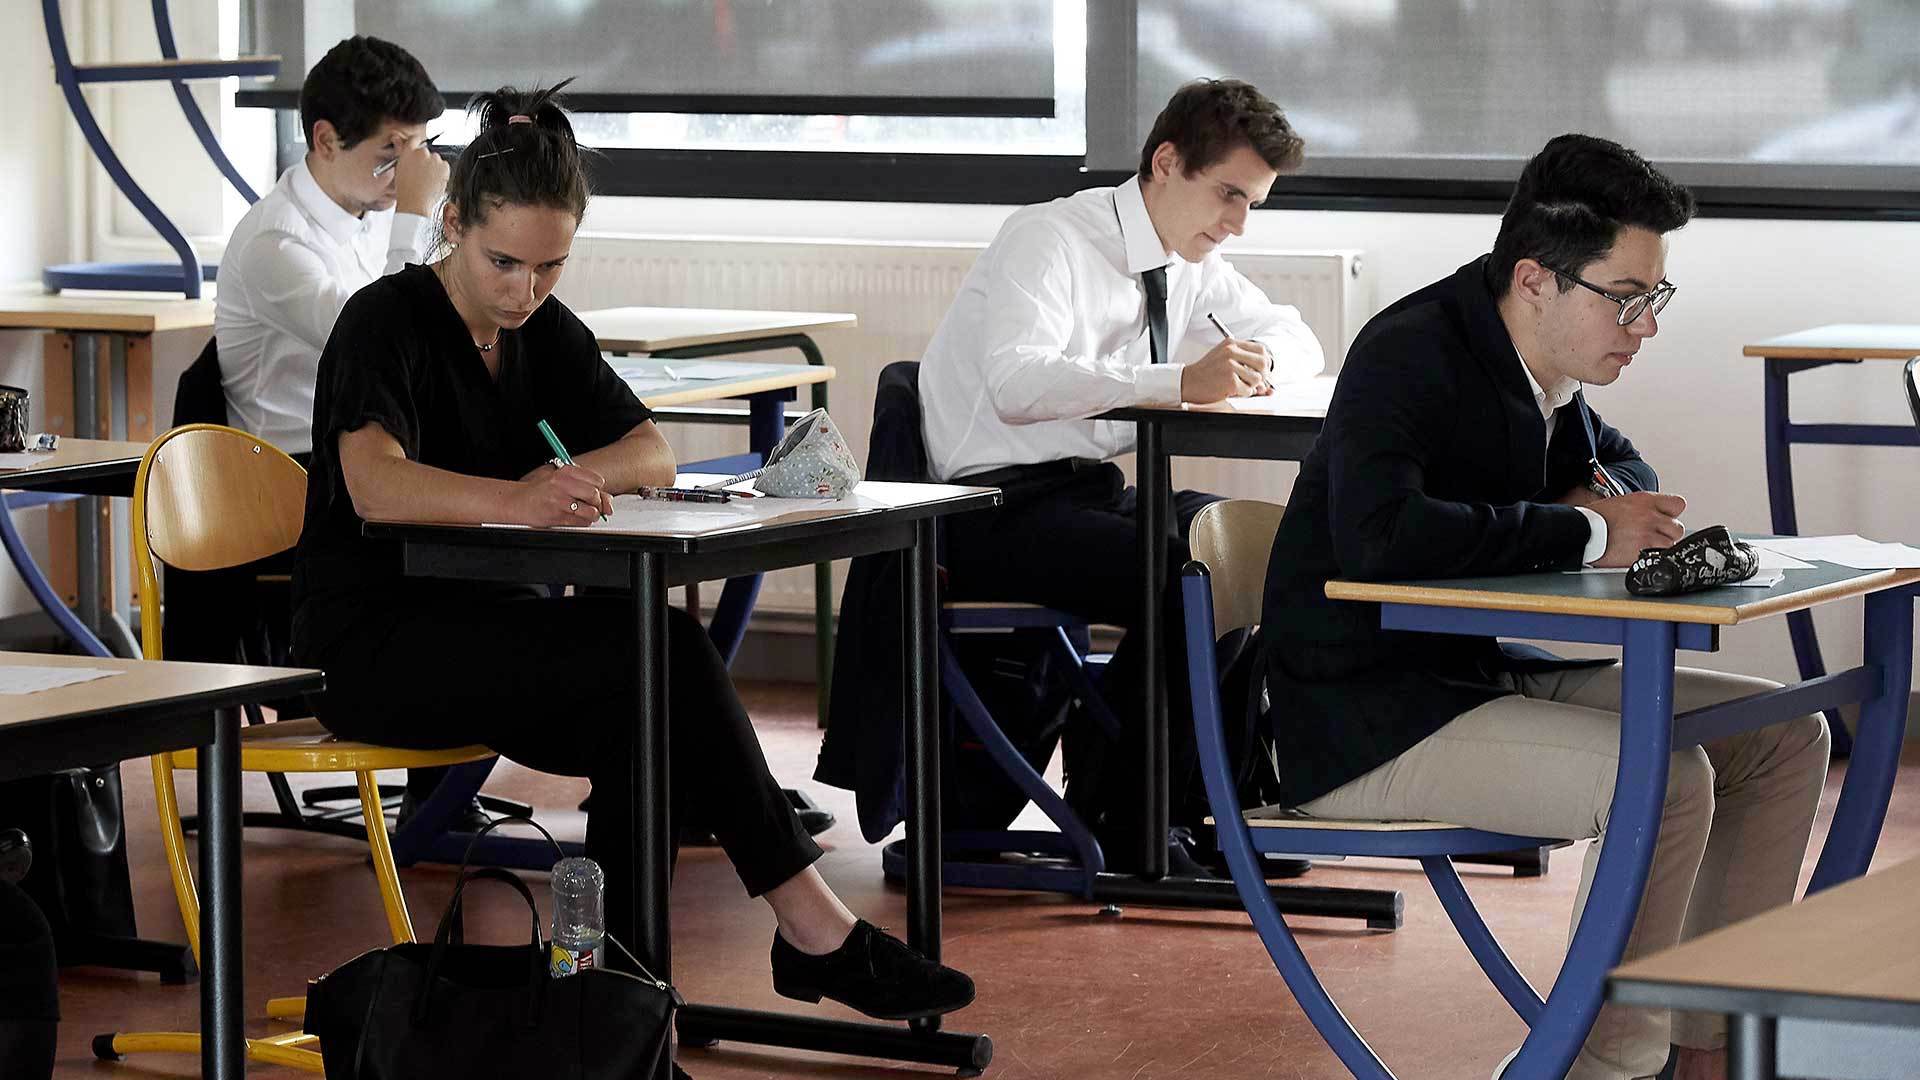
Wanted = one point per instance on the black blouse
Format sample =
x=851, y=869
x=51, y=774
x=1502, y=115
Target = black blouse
x=400, y=356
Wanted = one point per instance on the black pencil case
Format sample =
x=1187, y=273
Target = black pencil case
x=1702, y=560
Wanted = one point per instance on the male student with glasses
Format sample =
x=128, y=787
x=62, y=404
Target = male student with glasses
x=1459, y=443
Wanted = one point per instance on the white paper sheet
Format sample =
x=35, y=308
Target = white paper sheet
x=26, y=679
x=1774, y=560
x=647, y=384
x=1850, y=550
x=685, y=370
x=1312, y=395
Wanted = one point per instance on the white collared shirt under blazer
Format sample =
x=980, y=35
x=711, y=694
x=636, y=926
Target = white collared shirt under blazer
x=1049, y=330
x=289, y=268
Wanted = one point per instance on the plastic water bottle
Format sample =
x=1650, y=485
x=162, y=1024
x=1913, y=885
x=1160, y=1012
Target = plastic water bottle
x=579, y=916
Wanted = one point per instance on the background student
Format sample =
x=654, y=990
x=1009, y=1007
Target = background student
x=1090, y=302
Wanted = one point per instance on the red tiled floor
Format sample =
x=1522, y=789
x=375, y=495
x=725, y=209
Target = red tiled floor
x=1064, y=992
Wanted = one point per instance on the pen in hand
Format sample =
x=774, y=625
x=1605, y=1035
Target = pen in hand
x=560, y=454
x=386, y=167
x=1223, y=333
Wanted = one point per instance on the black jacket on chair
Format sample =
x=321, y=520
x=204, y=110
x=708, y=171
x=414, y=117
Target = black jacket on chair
x=864, y=745
x=1430, y=466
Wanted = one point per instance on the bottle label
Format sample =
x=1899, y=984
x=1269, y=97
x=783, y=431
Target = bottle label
x=562, y=961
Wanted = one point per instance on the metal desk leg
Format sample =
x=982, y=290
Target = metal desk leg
x=1633, y=824
x=1751, y=1044
x=90, y=591
x=648, y=776
x=1806, y=646
x=1154, y=522
x=223, y=1046
x=1883, y=724
x=766, y=423
x=922, y=751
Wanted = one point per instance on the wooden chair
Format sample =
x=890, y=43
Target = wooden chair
x=1222, y=590
x=208, y=497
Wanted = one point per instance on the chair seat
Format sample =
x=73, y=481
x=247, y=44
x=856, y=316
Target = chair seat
x=307, y=746
x=1287, y=817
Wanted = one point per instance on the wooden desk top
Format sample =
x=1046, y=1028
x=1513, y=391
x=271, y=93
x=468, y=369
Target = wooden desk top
x=141, y=683
x=657, y=389
x=1843, y=341
x=1844, y=943
x=28, y=307
x=652, y=329
x=74, y=458
x=1606, y=595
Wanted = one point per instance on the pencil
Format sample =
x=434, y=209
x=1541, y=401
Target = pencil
x=1217, y=326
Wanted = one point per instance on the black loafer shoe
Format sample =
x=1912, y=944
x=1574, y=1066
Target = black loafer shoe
x=872, y=972
x=470, y=820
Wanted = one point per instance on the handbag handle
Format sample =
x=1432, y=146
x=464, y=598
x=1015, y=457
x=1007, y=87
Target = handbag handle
x=536, y=966
x=466, y=857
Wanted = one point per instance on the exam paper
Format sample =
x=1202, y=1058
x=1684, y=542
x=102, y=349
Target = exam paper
x=26, y=679
x=1313, y=395
x=1850, y=550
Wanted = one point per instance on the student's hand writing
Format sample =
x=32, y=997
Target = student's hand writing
x=1640, y=519
x=569, y=495
x=420, y=178
x=1230, y=369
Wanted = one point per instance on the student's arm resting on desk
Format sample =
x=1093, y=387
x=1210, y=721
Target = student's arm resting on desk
x=1249, y=315
x=386, y=485
x=1030, y=377
x=1392, y=415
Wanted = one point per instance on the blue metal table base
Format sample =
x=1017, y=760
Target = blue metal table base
x=1781, y=434
x=1649, y=731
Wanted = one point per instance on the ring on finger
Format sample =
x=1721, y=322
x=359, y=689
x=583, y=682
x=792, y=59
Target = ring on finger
x=573, y=506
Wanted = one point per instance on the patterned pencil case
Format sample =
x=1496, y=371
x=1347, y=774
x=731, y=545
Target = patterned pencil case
x=1703, y=560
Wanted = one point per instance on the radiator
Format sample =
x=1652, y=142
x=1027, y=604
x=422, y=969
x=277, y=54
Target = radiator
x=900, y=291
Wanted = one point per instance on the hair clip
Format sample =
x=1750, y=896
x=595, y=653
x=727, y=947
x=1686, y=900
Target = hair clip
x=495, y=153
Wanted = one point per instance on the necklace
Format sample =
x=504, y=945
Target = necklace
x=447, y=284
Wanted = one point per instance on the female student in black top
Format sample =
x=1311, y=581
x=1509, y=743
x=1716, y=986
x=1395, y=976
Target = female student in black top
x=429, y=392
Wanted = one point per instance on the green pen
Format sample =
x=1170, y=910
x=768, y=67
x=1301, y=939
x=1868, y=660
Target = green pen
x=559, y=452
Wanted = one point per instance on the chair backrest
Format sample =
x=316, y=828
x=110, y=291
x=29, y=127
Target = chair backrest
x=1235, y=538
x=1913, y=388
x=199, y=397
x=897, y=446
x=209, y=497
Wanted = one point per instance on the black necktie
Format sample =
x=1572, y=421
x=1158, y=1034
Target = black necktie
x=1155, y=281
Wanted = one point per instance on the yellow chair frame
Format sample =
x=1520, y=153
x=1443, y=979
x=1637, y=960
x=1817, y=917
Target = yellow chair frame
x=208, y=497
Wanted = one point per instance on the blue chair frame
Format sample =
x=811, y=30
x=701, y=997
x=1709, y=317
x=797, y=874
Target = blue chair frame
x=1434, y=847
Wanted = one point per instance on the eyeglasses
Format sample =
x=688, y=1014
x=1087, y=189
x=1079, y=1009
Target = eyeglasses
x=1632, y=306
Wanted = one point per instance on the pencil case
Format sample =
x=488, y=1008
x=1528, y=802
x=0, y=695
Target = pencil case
x=1702, y=560
x=811, y=462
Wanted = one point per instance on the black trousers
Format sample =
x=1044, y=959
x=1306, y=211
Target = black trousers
x=548, y=682
x=1069, y=538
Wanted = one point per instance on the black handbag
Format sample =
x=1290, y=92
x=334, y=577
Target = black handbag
x=480, y=1011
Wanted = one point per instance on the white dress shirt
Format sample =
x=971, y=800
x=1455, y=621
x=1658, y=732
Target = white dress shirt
x=1049, y=330
x=289, y=268
x=1549, y=403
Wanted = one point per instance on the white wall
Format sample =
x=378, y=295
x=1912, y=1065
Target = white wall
x=1691, y=403
x=33, y=229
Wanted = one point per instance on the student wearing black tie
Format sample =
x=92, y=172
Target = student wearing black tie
x=1460, y=443
x=1088, y=303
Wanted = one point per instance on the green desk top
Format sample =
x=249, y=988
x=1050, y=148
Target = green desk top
x=1605, y=594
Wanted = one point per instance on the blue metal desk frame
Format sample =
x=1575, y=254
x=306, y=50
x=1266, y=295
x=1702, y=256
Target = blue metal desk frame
x=1649, y=732
x=1782, y=433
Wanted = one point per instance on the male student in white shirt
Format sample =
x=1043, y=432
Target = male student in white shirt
x=353, y=210
x=1084, y=304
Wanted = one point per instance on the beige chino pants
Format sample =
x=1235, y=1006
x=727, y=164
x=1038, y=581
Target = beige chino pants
x=1733, y=831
